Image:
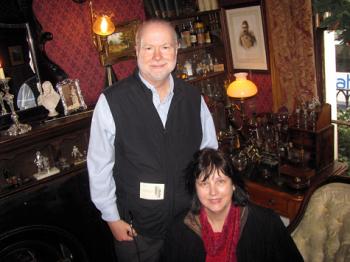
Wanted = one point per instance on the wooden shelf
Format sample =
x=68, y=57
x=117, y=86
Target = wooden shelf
x=199, y=47
x=192, y=15
x=202, y=78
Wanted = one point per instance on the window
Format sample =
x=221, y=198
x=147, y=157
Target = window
x=337, y=91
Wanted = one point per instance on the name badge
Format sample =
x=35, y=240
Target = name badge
x=151, y=191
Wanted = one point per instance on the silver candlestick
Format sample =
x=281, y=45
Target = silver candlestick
x=3, y=109
x=16, y=128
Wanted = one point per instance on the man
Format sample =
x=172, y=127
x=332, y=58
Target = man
x=144, y=132
x=246, y=38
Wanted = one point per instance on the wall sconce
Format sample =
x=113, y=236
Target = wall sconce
x=102, y=26
x=241, y=89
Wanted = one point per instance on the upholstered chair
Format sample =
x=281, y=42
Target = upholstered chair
x=322, y=231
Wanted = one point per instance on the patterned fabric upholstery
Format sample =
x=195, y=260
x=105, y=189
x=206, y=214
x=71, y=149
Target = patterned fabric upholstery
x=324, y=232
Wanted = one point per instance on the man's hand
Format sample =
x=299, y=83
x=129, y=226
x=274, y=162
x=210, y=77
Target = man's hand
x=121, y=230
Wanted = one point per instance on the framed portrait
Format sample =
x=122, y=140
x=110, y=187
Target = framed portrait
x=16, y=55
x=247, y=38
x=71, y=96
x=121, y=44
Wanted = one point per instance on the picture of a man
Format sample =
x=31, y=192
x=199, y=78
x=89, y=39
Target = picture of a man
x=246, y=38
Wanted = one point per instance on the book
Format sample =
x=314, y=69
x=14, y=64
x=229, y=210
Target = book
x=170, y=8
x=155, y=6
x=149, y=10
x=161, y=4
x=177, y=7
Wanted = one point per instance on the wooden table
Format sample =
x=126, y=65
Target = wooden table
x=283, y=200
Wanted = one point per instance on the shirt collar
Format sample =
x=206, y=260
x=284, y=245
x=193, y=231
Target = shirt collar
x=153, y=89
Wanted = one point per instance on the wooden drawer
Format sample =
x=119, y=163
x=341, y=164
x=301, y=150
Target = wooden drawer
x=283, y=203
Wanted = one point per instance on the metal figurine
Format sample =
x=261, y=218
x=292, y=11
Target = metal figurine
x=77, y=156
x=41, y=162
x=43, y=165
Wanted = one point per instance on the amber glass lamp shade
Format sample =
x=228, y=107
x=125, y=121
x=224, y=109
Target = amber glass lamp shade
x=103, y=26
x=242, y=87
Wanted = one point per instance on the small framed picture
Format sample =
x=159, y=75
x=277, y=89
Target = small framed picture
x=247, y=38
x=16, y=55
x=121, y=44
x=71, y=96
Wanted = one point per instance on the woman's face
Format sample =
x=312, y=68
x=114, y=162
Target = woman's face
x=215, y=193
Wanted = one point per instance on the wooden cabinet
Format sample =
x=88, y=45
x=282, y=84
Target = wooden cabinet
x=206, y=58
x=284, y=200
x=53, y=218
x=311, y=146
x=53, y=139
x=284, y=203
x=204, y=64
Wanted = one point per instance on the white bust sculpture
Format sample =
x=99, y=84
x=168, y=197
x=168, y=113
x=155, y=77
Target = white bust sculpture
x=49, y=98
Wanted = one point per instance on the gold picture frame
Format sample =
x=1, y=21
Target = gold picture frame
x=72, y=99
x=121, y=44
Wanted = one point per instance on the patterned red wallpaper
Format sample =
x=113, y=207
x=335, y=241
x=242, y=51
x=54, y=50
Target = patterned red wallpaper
x=263, y=100
x=72, y=48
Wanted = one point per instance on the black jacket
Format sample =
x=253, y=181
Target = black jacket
x=147, y=152
x=263, y=238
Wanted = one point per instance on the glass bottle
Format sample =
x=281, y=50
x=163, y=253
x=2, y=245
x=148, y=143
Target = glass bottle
x=188, y=68
x=185, y=36
x=210, y=63
x=199, y=27
x=179, y=38
x=193, y=35
x=207, y=36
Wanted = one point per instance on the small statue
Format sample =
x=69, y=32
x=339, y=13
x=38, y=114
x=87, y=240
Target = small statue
x=49, y=98
x=39, y=161
x=43, y=165
x=77, y=155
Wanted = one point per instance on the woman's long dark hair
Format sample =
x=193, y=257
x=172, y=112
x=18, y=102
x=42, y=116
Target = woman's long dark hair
x=205, y=162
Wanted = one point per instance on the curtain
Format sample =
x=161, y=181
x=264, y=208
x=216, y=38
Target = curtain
x=291, y=48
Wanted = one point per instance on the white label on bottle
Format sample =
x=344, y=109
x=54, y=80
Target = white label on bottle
x=151, y=191
x=219, y=68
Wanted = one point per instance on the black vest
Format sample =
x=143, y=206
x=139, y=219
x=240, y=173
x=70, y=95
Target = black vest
x=147, y=152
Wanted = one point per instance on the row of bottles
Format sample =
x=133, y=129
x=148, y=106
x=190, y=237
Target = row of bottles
x=199, y=64
x=193, y=33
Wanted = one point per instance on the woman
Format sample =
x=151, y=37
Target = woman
x=222, y=225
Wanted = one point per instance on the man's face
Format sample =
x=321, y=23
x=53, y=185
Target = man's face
x=156, y=53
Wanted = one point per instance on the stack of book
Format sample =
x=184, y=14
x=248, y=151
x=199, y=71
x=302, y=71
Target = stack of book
x=169, y=8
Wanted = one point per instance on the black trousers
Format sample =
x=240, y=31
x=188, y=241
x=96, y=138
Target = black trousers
x=141, y=249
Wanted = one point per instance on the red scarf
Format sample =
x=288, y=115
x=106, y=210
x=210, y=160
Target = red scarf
x=221, y=247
